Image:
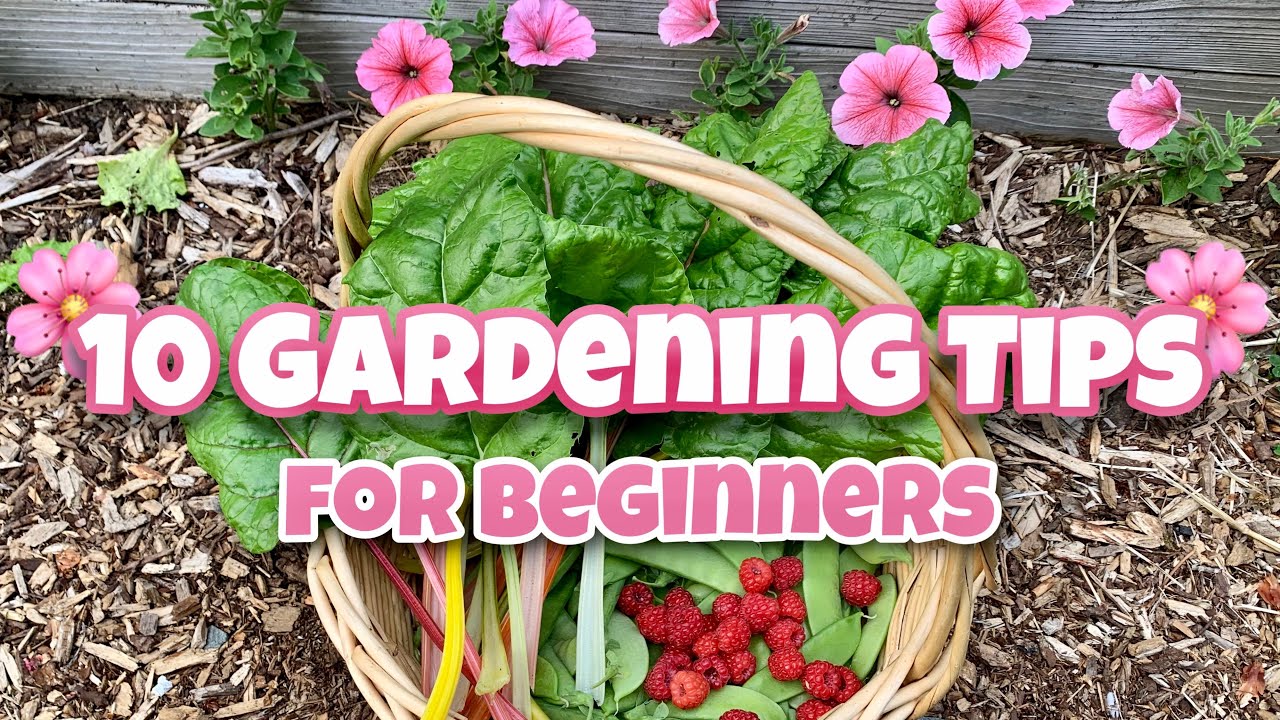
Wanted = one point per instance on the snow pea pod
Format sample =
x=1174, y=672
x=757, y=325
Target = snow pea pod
x=729, y=697
x=821, y=584
x=695, y=561
x=611, y=592
x=876, y=629
x=878, y=553
x=851, y=560
x=835, y=645
x=616, y=568
x=631, y=657
x=735, y=551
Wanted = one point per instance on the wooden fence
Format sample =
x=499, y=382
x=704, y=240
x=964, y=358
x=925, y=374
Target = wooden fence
x=1224, y=54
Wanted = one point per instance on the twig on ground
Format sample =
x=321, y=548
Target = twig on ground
x=239, y=147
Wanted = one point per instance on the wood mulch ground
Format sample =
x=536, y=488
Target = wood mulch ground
x=1132, y=558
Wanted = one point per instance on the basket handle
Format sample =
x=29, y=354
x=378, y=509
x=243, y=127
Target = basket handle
x=930, y=627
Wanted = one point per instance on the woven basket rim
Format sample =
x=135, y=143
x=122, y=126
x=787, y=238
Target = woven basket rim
x=929, y=631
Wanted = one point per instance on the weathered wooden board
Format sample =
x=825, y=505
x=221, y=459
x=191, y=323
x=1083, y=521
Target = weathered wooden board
x=86, y=47
x=1217, y=35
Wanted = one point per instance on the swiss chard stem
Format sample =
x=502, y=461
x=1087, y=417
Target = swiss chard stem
x=590, y=668
x=519, y=639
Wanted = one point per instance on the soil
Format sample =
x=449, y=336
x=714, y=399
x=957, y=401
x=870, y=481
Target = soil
x=1131, y=559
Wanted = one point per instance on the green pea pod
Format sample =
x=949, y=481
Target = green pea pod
x=615, y=569
x=695, y=561
x=631, y=657
x=735, y=551
x=878, y=553
x=614, y=708
x=821, y=584
x=703, y=596
x=876, y=629
x=545, y=680
x=729, y=697
x=772, y=550
x=851, y=560
x=835, y=645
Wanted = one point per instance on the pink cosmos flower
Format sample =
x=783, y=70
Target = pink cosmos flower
x=63, y=291
x=547, y=32
x=687, y=21
x=404, y=63
x=1146, y=113
x=980, y=36
x=1211, y=283
x=1042, y=9
x=888, y=97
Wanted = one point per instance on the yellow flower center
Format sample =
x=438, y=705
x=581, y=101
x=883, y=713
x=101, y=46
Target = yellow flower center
x=73, y=306
x=1205, y=304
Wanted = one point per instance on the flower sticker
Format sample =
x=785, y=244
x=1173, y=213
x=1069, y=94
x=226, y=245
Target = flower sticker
x=404, y=63
x=63, y=291
x=1042, y=9
x=1146, y=113
x=687, y=21
x=888, y=97
x=547, y=32
x=980, y=37
x=1211, y=283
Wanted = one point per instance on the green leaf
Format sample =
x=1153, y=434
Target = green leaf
x=931, y=167
x=883, y=45
x=218, y=125
x=593, y=192
x=482, y=252
x=1274, y=191
x=278, y=46
x=959, y=109
x=208, y=47
x=599, y=265
x=1173, y=186
x=148, y=177
x=243, y=450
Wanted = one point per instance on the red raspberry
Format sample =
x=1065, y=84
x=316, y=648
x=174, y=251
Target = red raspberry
x=849, y=684
x=726, y=605
x=786, y=664
x=813, y=709
x=760, y=611
x=733, y=635
x=708, y=623
x=679, y=597
x=755, y=575
x=785, y=633
x=706, y=645
x=689, y=689
x=791, y=605
x=822, y=680
x=714, y=669
x=674, y=659
x=859, y=588
x=652, y=622
x=658, y=682
x=634, y=598
x=684, y=625
x=788, y=571
x=742, y=665
x=739, y=715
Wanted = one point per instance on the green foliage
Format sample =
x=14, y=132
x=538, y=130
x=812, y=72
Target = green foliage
x=1081, y=197
x=480, y=62
x=146, y=177
x=1274, y=191
x=744, y=80
x=488, y=224
x=22, y=255
x=1196, y=163
x=261, y=69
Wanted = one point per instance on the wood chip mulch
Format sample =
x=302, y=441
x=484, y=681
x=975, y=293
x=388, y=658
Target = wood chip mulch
x=1138, y=559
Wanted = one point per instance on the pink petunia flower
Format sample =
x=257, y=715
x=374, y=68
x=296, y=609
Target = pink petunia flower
x=547, y=32
x=980, y=37
x=1211, y=283
x=63, y=291
x=687, y=21
x=888, y=97
x=1042, y=9
x=404, y=63
x=1146, y=113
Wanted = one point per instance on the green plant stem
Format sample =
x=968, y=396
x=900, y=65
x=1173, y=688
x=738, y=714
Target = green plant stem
x=590, y=656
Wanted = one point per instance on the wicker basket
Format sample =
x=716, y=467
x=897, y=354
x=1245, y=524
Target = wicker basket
x=361, y=610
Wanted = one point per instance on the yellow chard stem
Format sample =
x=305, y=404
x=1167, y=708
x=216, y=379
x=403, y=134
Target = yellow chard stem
x=454, y=633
